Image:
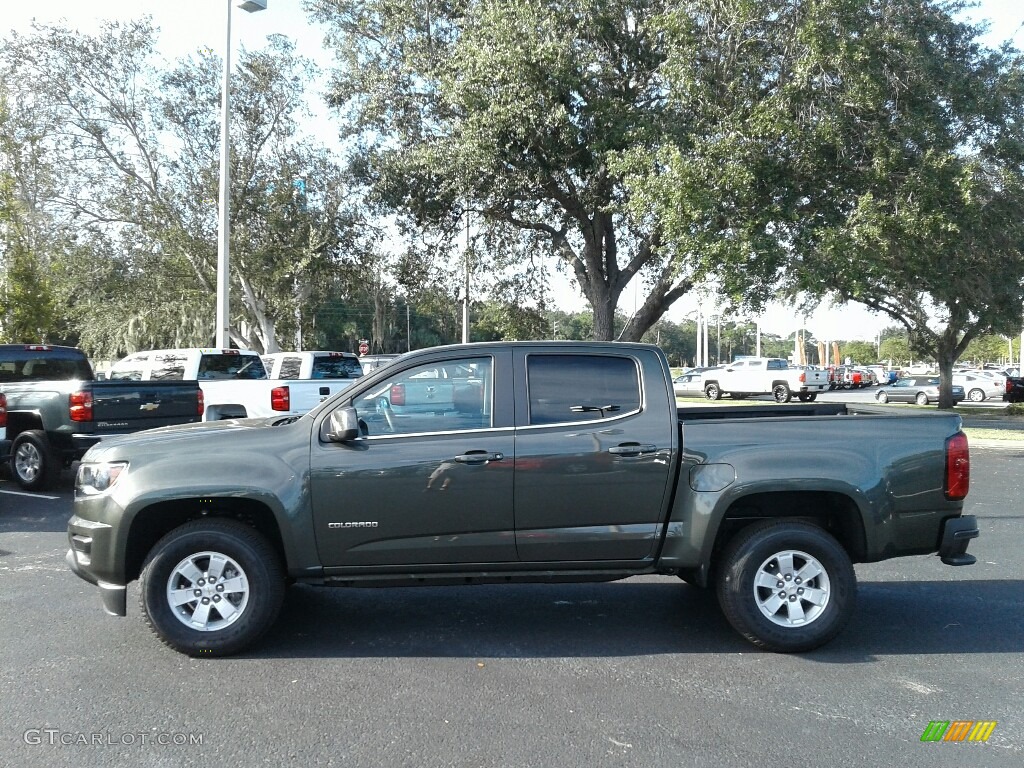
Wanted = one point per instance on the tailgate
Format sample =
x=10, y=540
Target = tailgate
x=305, y=395
x=135, y=405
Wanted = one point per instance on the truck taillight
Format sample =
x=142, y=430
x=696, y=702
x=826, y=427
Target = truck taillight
x=280, y=399
x=803, y=377
x=201, y=402
x=958, y=467
x=3, y=410
x=81, y=406
x=397, y=394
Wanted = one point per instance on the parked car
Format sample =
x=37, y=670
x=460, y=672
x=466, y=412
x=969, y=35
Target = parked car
x=690, y=383
x=763, y=376
x=916, y=389
x=1014, y=390
x=5, y=444
x=234, y=381
x=980, y=388
x=579, y=467
x=882, y=376
x=53, y=410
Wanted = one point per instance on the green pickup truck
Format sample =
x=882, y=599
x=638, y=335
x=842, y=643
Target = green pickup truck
x=551, y=462
x=54, y=410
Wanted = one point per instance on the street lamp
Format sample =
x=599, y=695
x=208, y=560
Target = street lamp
x=222, y=337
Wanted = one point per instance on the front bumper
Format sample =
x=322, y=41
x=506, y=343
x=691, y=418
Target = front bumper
x=88, y=539
x=957, y=532
x=114, y=596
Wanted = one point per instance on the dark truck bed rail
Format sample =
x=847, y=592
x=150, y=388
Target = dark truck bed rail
x=703, y=413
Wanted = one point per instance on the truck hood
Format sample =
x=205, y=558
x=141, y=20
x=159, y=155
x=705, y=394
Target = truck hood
x=208, y=434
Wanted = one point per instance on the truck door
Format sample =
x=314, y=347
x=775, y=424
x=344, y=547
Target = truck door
x=430, y=482
x=593, y=458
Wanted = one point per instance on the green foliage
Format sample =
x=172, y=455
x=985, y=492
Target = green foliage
x=860, y=352
x=916, y=181
x=518, y=112
x=124, y=170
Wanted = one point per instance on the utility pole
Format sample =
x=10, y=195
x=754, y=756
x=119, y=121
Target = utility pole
x=465, y=300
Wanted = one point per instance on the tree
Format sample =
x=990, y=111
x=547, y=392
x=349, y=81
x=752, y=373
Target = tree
x=860, y=352
x=138, y=153
x=538, y=117
x=914, y=181
x=30, y=241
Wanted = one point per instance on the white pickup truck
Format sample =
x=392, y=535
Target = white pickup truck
x=333, y=370
x=763, y=376
x=235, y=382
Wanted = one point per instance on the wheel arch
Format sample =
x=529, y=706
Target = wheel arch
x=835, y=512
x=153, y=522
x=23, y=421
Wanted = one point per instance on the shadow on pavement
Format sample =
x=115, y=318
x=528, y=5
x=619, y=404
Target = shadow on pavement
x=627, y=619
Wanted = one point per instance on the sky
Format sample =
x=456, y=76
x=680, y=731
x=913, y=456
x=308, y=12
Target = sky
x=187, y=25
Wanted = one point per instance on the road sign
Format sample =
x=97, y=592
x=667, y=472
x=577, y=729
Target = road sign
x=364, y=347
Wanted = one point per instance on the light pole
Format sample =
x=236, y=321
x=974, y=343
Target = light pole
x=222, y=337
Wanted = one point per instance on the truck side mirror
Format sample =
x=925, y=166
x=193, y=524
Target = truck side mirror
x=341, y=426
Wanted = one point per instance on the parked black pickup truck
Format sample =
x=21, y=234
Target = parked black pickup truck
x=535, y=461
x=55, y=411
x=1014, y=390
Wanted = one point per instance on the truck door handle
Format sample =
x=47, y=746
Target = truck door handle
x=478, y=457
x=632, y=449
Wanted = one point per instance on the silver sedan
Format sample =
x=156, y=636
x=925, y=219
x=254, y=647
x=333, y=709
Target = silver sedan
x=916, y=389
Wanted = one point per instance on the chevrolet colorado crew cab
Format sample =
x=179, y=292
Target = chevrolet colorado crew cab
x=539, y=461
x=54, y=411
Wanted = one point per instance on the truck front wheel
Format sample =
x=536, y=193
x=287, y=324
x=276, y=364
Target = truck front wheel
x=211, y=587
x=34, y=464
x=712, y=391
x=786, y=586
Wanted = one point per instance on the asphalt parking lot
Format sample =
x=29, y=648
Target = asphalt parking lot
x=643, y=672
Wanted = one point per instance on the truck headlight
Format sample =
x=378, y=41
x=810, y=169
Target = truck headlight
x=98, y=477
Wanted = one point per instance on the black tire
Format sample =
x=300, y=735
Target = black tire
x=712, y=391
x=922, y=398
x=781, y=393
x=762, y=548
x=976, y=396
x=34, y=464
x=251, y=565
x=882, y=397
x=812, y=396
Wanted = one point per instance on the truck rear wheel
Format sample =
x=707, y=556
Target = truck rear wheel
x=781, y=393
x=211, y=587
x=34, y=464
x=786, y=586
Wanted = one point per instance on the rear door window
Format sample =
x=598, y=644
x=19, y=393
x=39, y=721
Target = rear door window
x=131, y=368
x=329, y=367
x=574, y=388
x=290, y=367
x=228, y=366
x=168, y=366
